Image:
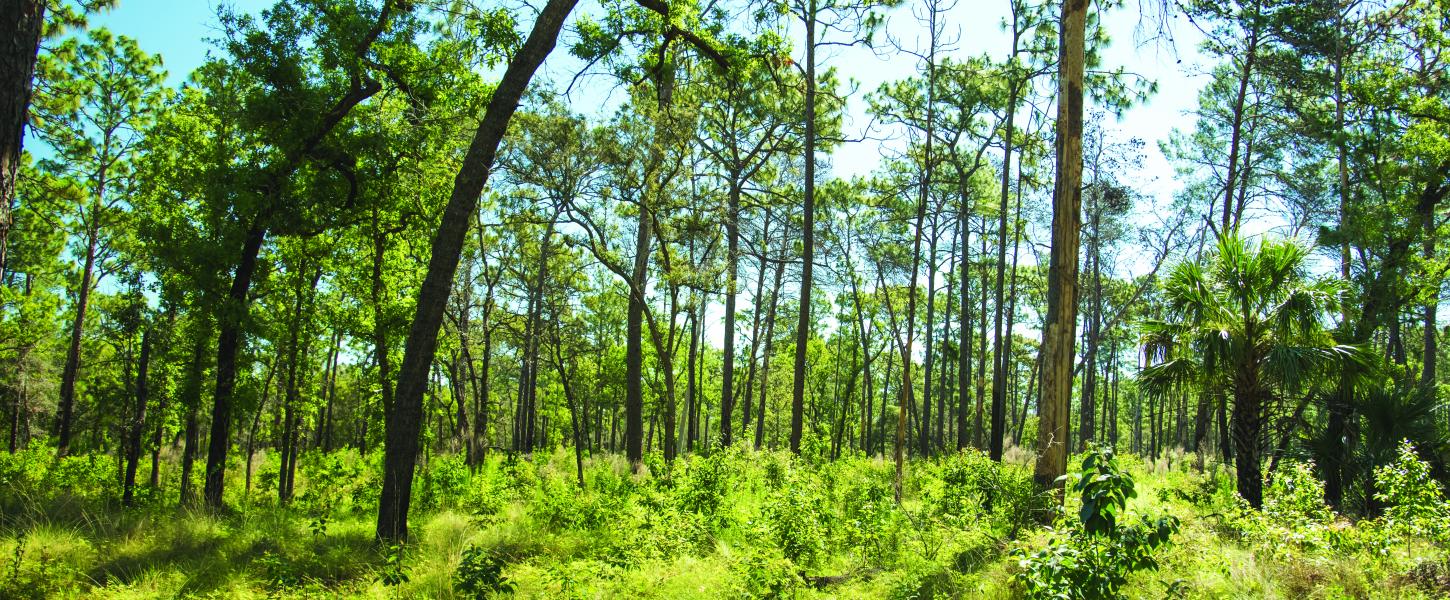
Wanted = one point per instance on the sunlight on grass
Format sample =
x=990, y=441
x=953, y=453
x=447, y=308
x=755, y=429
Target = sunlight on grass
x=735, y=524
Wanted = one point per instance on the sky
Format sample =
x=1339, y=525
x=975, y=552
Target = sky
x=179, y=31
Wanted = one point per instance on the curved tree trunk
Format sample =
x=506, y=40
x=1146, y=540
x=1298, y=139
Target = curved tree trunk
x=228, y=345
x=404, y=421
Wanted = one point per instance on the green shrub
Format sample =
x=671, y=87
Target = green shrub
x=1415, y=504
x=793, y=519
x=480, y=574
x=969, y=483
x=443, y=481
x=1293, y=517
x=703, y=485
x=1099, y=553
x=766, y=573
x=872, y=523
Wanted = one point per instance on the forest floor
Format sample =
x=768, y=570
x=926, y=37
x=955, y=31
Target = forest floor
x=734, y=524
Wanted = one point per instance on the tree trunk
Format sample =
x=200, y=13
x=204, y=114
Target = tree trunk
x=964, y=317
x=1432, y=305
x=732, y=260
x=404, y=420
x=257, y=419
x=1247, y=433
x=1060, y=334
x=1088, y=414
x=1339, y=407
x=765, y=358
x=330, y=391
x=21, y=25
x=1012, y=305
x=1230, y=217
x=136, y=429
x=924, y=432
x=192, y=400
x=229, y=342
x=866, y=364
x=808, y=239
x=906, y=391
x=380, y=319
x=755, y=325
x=690, y=382
x=999, y=348
x=634, y=344
x=73, y=351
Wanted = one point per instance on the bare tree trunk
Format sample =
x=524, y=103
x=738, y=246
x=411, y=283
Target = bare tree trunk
x=964, y=317
x=808, y=240
x=866, y=365
x=755, y=325
x=634, y=344
x=1001, y=348
x=732, y=259
x=1088, y=413
x=924, y=432
x=1060, y=334
x=906, y=392
x=228, y=345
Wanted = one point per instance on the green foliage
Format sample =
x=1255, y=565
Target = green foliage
x=480, y=574
x=1098, y=555
x=393, y=572
x=766, y=573
x=1293, y=516
x=703, y=487
x=793, y=519
x=443, y=481
x=821, y=530
x=1415, y=504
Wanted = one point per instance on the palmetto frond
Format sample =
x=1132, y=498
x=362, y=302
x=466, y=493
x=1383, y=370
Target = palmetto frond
x=1404, y=412
x=1160, y=338
x=1160, y=379
x=1299, y=314
x=1292, y=364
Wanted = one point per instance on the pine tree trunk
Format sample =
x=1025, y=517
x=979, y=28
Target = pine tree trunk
x=755, y=325
x=71, y=370
x=21, y=25
x=808, y=239
x=765, y=358
x=1060, y=334
x=732, y=260
x=999, y=347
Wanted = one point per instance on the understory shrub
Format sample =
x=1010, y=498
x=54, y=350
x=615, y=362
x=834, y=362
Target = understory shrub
x=1414, y=503
x=1099, y=553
